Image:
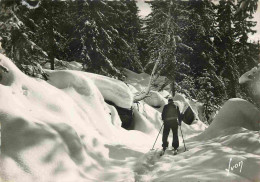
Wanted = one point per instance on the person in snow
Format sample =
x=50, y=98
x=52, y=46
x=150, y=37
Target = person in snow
x=171, y=117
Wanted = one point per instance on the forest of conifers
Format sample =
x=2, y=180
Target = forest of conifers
x=203, y=47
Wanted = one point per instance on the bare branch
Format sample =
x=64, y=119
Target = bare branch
x=144, y=93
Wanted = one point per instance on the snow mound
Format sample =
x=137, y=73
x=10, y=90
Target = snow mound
x=47, y=134
x=63, y=131
x=252, y=81
x=249, y=75
x=146, y=118
x=112, y=90
x=183, y=103
x=234, y=113
x=155, y=99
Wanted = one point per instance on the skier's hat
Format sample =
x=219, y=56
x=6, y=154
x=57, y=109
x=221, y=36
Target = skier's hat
x=170, y=100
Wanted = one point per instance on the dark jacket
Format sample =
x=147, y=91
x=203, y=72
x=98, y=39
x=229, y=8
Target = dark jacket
x=171, y=113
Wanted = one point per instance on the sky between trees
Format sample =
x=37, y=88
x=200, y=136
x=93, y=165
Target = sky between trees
x=145, y=10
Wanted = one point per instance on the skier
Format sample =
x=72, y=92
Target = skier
x=170, y=114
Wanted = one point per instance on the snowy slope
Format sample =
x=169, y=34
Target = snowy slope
x=231, y=140
x=62, y=130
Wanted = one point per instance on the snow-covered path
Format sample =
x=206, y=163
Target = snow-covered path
x=63, y=131
x=204, y=161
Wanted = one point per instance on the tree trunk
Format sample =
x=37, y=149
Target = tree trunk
x=51, y=36
x=144, y=94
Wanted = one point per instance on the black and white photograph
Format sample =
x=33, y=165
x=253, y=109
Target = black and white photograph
x=129, y=90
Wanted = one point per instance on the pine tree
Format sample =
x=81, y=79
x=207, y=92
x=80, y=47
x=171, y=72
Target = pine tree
x=128, y=27
x=106, y=36
x=17, y=38
x=164, y=31
x=233, y=45
x=50, y=22
x=246, y=51
x=244, y=26
x=103, y=35
x=228, y=67
x=209, y=87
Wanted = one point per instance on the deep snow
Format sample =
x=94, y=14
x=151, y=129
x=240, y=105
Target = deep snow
x=62, y=130
x=252, y=81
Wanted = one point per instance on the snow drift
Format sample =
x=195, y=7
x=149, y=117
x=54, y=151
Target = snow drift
x=244, y=114
x=252, y=80
x=62, y=130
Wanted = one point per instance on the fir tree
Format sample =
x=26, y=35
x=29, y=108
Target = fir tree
x=128, y=27
x=228, y=67
x=163, y=28
x=246, y=51
x=102, y=35
x=210, y=88
x=106, y=36
x=17, y=38
x=51, y=22
x=243, y=24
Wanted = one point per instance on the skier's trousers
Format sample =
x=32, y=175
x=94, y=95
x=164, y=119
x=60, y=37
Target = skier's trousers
x=170, y=125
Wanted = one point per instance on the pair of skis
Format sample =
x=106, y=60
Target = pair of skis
x=175, y=152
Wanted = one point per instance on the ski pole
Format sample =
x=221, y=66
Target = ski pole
x=183, y=139
x=157, y=136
